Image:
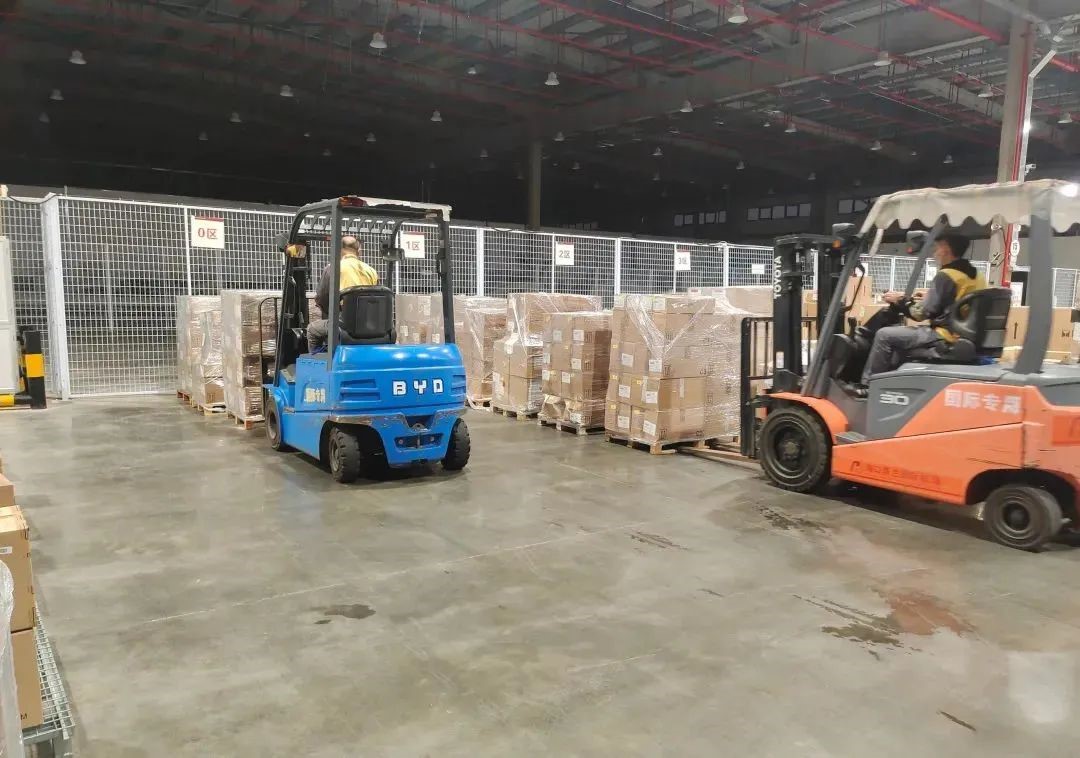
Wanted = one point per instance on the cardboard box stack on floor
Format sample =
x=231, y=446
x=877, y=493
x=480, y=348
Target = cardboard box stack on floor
x=517, y=374
x=15, y=553
x=207, y=374
x=412, y=317
x=481, y=321
x=248, y=331
x=1064, y=344
x=574, y=373
x=190, y=331
x=674, y=371
x=859, y=294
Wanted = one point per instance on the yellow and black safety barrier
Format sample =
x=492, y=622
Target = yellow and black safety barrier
x=31, y=373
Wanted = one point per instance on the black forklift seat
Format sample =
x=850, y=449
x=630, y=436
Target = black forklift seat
x=367, y=316
x=979, y=321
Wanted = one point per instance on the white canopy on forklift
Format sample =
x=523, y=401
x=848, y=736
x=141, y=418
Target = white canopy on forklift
x=1013, y=201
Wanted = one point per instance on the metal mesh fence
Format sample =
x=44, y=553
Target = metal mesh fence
x=124, y=262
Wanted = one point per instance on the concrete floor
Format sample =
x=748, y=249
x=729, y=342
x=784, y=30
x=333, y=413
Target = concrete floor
x=564, y=596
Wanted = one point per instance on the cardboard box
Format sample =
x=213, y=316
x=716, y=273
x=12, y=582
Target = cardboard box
x=677, y=303
x=624, y=419
x=589, y=357
x=528, y=311
x=524, y=394
x=675, y=362
x=613, y=387
x=15, y=553
x=579, y=385
x=1062, y=331
x=478, y=381
x=664, y=394
x=558, y=356
x=27, y=679
x=7, y=492
x=674, y=425
x=611, y=412
x=517, y=357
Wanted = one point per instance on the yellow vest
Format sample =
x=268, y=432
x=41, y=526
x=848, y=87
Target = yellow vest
x=356, y=273
x=965, y=285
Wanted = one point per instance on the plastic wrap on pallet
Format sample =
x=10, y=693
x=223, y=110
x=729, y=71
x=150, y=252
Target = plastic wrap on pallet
x=755, y=300
x=574, y=367
x=462, y=303
x=480, y=328
x=10, y=726
x=248, y=332
x=189, y=333
x=208, y=383
x=674, y=373
x=527, y=312
x=516, y=374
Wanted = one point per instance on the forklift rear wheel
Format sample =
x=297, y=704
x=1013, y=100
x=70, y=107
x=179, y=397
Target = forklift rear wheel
x=795, y=450
x=1022, y=516
x=346, y=460
x=457, y=452
x=273, y=426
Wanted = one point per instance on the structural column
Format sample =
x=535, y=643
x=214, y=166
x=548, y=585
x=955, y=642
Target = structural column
x=1011, y=150
x=535, y=151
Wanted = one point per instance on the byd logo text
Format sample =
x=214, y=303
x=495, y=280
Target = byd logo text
x=401, y=387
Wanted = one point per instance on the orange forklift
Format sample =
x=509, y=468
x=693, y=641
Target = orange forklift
x=951, y=424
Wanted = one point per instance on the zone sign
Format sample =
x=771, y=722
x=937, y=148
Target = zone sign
x=208, y=232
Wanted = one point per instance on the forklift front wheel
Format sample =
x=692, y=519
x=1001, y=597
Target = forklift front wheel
x=273, y=425
x=1022, y=516
x=795, y=450
x=459, y=448
x=343, y=450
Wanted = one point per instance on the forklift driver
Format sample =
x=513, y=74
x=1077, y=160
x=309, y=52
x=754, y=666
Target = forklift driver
x=956, y=277
x=354, y=273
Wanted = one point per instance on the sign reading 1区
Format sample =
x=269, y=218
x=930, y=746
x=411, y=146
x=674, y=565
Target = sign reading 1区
x=413, y=244
x=208, y=232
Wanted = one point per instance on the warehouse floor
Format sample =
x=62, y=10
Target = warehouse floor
x=563, y=596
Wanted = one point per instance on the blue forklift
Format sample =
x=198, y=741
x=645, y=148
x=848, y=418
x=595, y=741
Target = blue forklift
x=365, y=404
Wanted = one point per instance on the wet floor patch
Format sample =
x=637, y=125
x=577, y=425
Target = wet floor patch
x=911, y=612
x=655, y=540
x=355, y=611
x=780, y=520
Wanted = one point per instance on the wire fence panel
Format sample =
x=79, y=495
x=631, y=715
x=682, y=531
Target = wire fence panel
x=590, y=270
x=463, y=258
x=516, y=262
x=21, y=224
x=750, y=265
x=1065, y=287
x=124, y=265
x=698, y=266
x=248, y=260
x=647, y=266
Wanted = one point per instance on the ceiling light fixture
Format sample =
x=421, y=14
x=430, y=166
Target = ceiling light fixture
x=656, y=176
x=431, y=166
x=378, y=41
x=812, y=177
x=234, y=118
x=1066, y=118
x=371, y=137
x=876, y=147
x=576, y=166
x=738, y=14
x=883, y=59
x=658, y=153
x=43, y=118
x=740, y=166
x=767, y=124
x=986, y=92
x=483, y=152
x=56, y=95
x=687, y=107
x=552, y=79
x=471, y=71
x=857, y=182
x=203, y=137
x=77, y=58
x=436, y=116
x=286, y=91
x=948, y=159
x=326, y=153
x=791, y=129
x=560, y=137
x=307, y=134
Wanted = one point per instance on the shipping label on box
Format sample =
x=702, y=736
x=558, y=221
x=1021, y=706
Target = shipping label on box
x=663, y=394
x=675, y=425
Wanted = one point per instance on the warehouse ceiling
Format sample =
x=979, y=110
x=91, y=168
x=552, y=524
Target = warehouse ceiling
x=623, y=94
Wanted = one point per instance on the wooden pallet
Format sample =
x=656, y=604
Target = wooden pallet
x=480, y=405
x=568, y=426
x=214, y=409
x=657, y=448
x=247, y=423
x=520, y=416
x=183, y=397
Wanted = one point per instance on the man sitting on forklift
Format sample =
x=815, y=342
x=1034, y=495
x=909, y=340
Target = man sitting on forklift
x=956, y=277
x=354, y=273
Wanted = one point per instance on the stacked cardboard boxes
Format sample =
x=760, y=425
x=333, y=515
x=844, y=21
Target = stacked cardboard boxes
x=1064, y=344
x=248, y=332
x=190, y=335
x=517, y=371
x=413, y=319
x=481, y=321
x=575, y=363
x=674, y=370
x=207, y=374
x=15, y=553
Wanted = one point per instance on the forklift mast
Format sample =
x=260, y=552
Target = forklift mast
x=793, y=261
x=292, y=325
